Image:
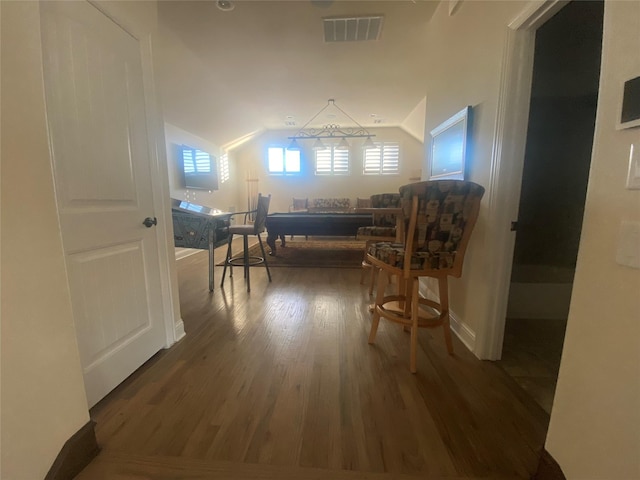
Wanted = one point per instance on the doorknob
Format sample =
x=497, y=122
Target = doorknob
x=150, y=222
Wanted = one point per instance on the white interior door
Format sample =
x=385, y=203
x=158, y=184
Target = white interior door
x=100, y=146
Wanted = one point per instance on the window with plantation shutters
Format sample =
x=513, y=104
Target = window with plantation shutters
x=383, y=159
x=196, y=161
x=283, y=161
x=224, y=168
x=332, y=161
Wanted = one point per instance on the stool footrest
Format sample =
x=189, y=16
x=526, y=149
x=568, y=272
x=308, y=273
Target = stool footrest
x=390, y=310
x=239, y=261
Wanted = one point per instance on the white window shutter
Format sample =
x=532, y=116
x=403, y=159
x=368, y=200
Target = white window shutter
x=224, y=167
x=390, y=159
x=383, y=159
x=340, y=162
x=323, y=162
x=330, y=161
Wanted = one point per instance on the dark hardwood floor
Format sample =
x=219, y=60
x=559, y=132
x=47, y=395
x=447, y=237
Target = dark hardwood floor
x=531, y=355
x=281, y=383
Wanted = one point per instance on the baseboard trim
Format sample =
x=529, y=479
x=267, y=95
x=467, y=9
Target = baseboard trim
x=548, y=468
x=179, y=331
x=461, y=329
x=75, y=454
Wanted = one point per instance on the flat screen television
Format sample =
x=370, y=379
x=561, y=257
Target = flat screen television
x=449, y=147
x=199, y=168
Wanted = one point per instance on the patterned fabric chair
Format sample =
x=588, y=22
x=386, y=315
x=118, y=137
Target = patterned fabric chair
x=299, y=205
x=363, y=202
x=246, y=229
x=387, y=226
x=439, y=216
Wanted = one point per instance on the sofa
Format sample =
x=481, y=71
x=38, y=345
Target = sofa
x=330, y=205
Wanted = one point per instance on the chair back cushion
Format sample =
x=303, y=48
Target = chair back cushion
x=299, y=204
x=438, y=230
x=385, y=200
x=363, y=202
x=262, y=210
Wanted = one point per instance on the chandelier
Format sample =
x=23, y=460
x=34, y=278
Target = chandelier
x=330, y=131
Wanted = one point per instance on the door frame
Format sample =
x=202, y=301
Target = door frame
x=507, y=163
x=172, y=322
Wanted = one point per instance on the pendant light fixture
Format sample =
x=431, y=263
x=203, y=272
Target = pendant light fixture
x=330, y=131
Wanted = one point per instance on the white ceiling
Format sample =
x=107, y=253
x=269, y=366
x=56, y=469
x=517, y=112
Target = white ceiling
x=227, y=74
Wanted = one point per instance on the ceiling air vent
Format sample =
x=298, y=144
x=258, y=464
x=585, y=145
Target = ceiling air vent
x=352, y=29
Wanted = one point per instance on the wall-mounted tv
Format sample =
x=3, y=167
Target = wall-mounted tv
x=449, y=145
x=198, y=168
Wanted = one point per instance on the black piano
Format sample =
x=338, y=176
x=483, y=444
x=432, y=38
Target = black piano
x=197, y=226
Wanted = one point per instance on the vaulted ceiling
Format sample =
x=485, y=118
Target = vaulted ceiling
x=224, y=75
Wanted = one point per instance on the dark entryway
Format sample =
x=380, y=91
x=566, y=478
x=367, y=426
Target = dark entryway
x=554, y=183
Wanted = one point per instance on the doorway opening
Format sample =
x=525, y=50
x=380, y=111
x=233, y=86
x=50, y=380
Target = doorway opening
x=561, y=124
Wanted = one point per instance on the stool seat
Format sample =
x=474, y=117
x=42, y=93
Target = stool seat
x=242, y=229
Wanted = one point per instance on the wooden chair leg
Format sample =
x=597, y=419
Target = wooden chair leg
x=400, y=290
x=443, y=287
x=365, y=266
x=372, y=280
x=382, y=284
x=415, y=302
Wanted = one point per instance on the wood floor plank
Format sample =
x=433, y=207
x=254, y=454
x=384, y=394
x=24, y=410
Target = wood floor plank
x=283, y=378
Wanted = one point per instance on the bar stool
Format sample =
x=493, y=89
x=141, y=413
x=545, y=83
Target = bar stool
x=245, y=230
x=441, y=215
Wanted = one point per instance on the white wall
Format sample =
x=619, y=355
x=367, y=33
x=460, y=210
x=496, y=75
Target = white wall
x=414, y=123
x=466, y=51
x=595, y=421
x=43, y=399
x=252, y=161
